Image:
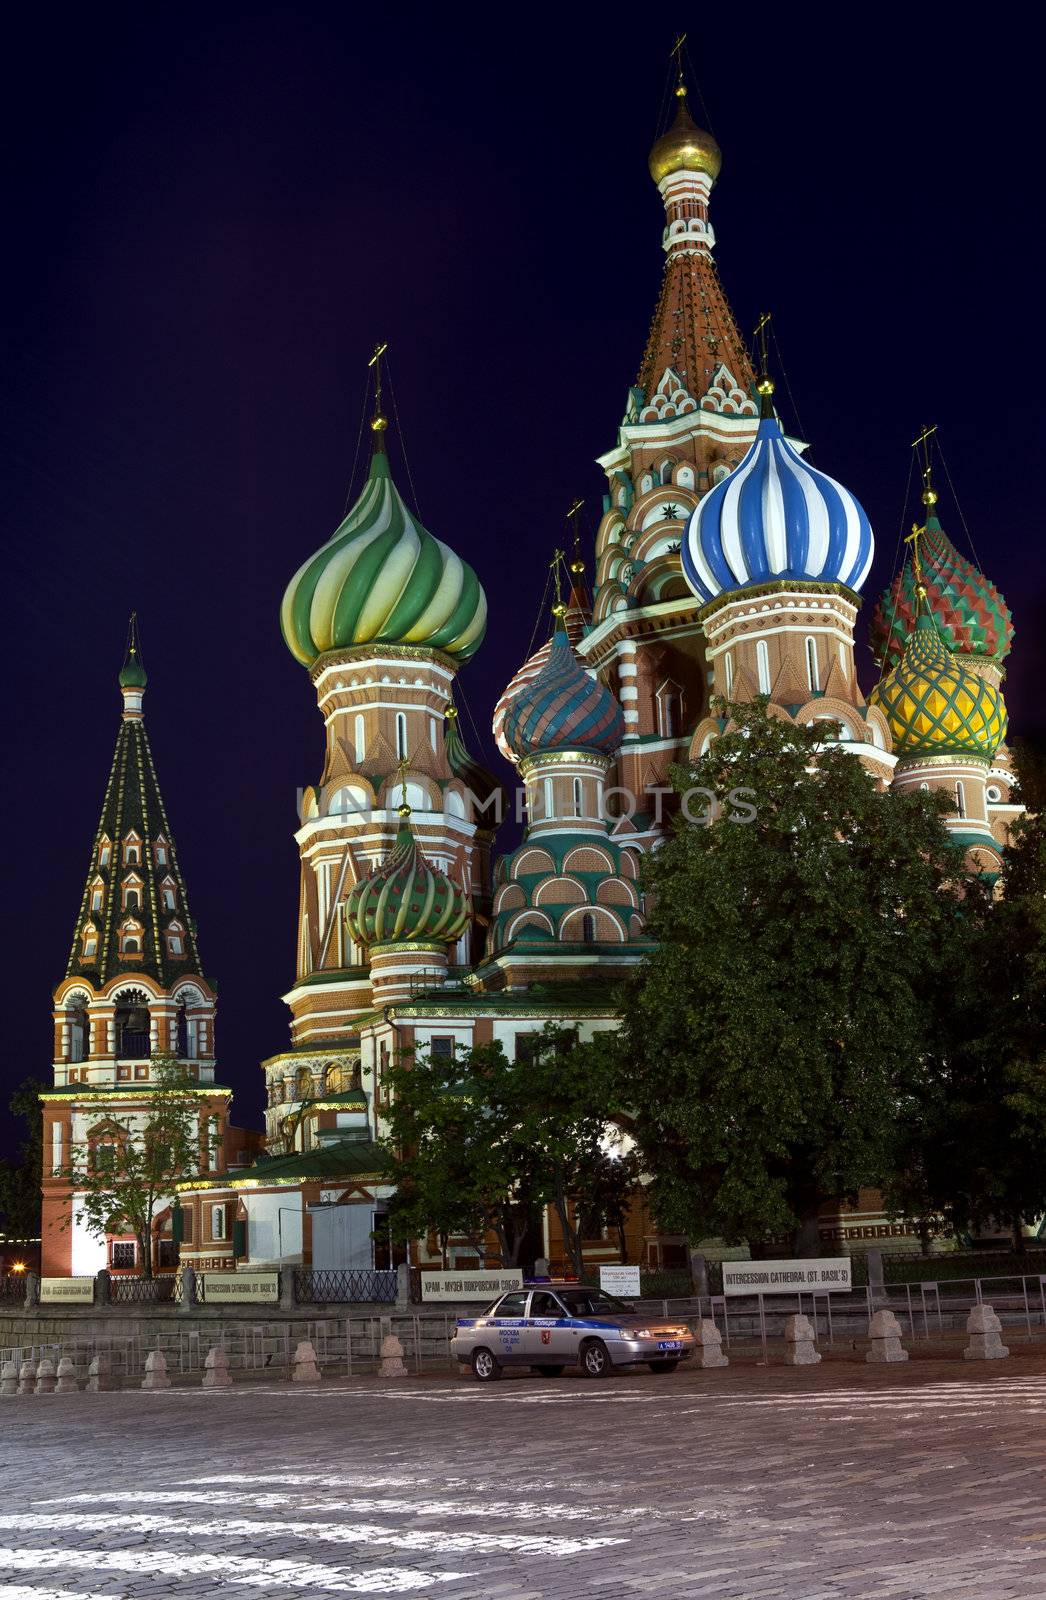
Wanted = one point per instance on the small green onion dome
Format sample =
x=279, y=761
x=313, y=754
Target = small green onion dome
x=405, y=900
x=935, y=706
x=383, y=579
x=132, y=673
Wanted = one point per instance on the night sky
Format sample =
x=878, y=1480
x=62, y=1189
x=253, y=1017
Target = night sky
x=212, y=215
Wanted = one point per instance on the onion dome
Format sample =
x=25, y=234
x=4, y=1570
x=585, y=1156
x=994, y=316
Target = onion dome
x=562, y=708
x=574, y=626
x=406, y=900
x=971, y=615
x=936, y=707
x=132, y=673
x=685, y=148
x=775, y=517
x=382, y=578
x=473, y=774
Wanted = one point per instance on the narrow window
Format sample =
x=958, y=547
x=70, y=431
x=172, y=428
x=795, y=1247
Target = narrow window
x=762, y=662
x=960, y=799
x=813, y=677
x=90, y=943
x=401, y=735
x=161, y=855
x=103, y=854
x=728, y=672
x=588, y=928
x=578, y=798
x=361, y=737
x=217, y=1222
x=433, y=736
x=96, y=899
x=550, y=797
x=168, y=899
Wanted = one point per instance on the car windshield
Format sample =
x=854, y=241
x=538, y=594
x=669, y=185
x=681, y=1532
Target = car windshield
x=592, y=1303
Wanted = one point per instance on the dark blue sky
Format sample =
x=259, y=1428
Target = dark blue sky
x=213, y=213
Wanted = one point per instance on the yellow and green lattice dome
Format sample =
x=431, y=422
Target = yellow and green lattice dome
x=383, y=579
x=934, y=706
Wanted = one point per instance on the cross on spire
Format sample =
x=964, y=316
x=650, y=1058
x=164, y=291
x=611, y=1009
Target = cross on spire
x=378, y=422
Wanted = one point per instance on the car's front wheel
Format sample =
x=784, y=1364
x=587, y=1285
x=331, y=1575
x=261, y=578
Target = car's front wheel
x=485, y=1365
x=662, y=1366
x=595, y=1359
x=548, y=1372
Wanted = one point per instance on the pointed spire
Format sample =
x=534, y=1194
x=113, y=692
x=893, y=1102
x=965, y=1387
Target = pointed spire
x=133, y=677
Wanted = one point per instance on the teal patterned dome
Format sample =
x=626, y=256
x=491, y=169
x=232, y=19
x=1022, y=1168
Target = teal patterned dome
x=383, y=579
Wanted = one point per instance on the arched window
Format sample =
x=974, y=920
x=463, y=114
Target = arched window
x=130, y=938
x=161, y=852
x=132, y=850
x=668, y=707
x=433, y=734
x=401, y=735
x=960, y=799
x=549, y=798
x=97, y=891
x=90, y=938
x=103, y=853
x=579, y=808
x=167, y=895
x=762, y=664
x=813, y=676
x=728, y=672
x=175, y=941
x=588, y=928
x=132, y=899
x=79, y=1030
x=361, y=737
x=181, y=1033
x=132, y=1025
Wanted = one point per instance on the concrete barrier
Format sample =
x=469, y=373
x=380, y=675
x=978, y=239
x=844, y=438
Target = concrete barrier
x=27, y=1377
x=392, y=1363
x=100, y=1376
x=708, y=1346
x=305, y=1368
x=216, y=1369
x=9, y=1378
x=884, y=1331
x=67, y=1383
x=800, y=1349
x=985, y=1332
x=45, y=1377
x=156, y=1371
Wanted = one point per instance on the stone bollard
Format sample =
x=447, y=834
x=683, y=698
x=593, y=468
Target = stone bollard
x=985, y=1331
x=305, y=1368
x=216, y=1374
x=67, y=1383
x=189, y=1290
x=800, y=1350
x=45, y=1377
x=708, y=1345
x=392, y=1363
x=100, y=1375
x=27, y=1377
x=403, y=1284
x=156, y=1371
x=9, y=1378
x=884, y=1331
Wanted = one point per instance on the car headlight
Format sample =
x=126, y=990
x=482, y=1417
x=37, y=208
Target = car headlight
x=659, y=1333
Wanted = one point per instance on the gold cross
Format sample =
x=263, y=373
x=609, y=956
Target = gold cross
x=375, y=362
x=677, y=51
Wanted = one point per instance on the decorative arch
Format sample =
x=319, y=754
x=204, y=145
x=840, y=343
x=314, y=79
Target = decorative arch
x=607, y=928
x=509, y=898
x=533, y=860
x=529, y=919
x=615, y=892
x=588, y=858
x=560, y=892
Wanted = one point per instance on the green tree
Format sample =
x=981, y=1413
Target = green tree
x=125, y=1174
x=477, y=1143
x=20, y=1196
x=772, y=1041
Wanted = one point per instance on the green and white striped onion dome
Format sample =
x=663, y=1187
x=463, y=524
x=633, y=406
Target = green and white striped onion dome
x=406, y=900
x=383, y=579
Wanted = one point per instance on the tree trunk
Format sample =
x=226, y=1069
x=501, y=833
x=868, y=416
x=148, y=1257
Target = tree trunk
x=807, y=1237
x=1017, y=1226
x=571, y=1240
x=145, y=1255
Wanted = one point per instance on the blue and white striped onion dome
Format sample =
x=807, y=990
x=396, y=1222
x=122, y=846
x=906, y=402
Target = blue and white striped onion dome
x=563, y=708
x=775, y=517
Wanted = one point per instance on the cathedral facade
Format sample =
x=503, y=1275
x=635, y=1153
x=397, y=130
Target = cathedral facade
x=726, y=567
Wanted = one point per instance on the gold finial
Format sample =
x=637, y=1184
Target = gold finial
x=378, y=422
x=577, y=565
x=929, y=494
x=677, y=51
x=451, y=713
x=765, y=385
x=559, y=609
x=403, y=809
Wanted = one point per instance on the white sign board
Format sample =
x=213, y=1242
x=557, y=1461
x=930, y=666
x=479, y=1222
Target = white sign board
x=67, y=1290
x=469, y=1285
x=259, y=1287
x=619, y=1280
x=786, y=1277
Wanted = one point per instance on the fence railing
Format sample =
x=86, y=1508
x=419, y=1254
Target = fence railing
x=142, y=1291
x=12, y=1288
x=362, y=1287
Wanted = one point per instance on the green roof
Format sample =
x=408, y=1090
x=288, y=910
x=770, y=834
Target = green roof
x=348, y=1158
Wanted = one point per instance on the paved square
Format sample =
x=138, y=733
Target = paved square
x=839, y=1480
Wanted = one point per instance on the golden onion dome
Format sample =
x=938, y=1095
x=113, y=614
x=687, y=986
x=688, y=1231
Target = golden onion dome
x=685, y=148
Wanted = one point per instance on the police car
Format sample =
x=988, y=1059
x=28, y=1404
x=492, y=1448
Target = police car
x=551, y=1325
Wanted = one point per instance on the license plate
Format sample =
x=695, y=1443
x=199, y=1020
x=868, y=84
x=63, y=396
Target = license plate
x=670, y=1344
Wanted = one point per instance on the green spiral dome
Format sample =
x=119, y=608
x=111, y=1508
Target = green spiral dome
x=383, y=579
x=406, y=900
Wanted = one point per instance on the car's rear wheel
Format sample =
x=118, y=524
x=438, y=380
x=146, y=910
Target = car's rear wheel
x=548, y=1372
x=595, y=1359
x=485, y=1365
x=662, y=1366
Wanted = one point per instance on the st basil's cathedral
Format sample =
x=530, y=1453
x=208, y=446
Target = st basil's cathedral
x=726, y=567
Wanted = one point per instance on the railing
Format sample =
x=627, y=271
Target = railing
x=142, y=1291
x=331, y=1287
x=12, y=1288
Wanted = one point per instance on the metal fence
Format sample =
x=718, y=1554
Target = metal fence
x=12, y=1288
x=324, y=1288
x=143, y=1291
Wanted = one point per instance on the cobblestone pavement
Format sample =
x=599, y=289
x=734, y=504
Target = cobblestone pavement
x=835, y=1481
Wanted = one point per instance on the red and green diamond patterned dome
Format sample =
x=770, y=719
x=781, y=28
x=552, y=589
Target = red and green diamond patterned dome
x=971, y=615
x=406, y=901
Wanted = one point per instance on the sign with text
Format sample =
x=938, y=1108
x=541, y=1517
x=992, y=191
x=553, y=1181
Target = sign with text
x=67, y=1291
x=257, y=1287
x=786, y=1277
x=619, y=1280
x=471, y=1285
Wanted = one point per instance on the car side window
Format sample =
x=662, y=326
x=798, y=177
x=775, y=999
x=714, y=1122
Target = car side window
x=545, y=1305
x=512, y=1305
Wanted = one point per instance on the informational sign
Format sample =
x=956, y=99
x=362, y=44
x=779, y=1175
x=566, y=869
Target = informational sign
x=67, y=1291
x=619, y=1280
x=786, y=1277
x=257, y=1287
x=468, y=1285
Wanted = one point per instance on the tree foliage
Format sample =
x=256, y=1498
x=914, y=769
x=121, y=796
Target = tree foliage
x=478, y=1143
x=775, y=1038
x=125, y=1173
x=20, y=1197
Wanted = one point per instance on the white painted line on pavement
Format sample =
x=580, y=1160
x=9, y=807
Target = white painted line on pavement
x=436, y=1541
x=228, y=1568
